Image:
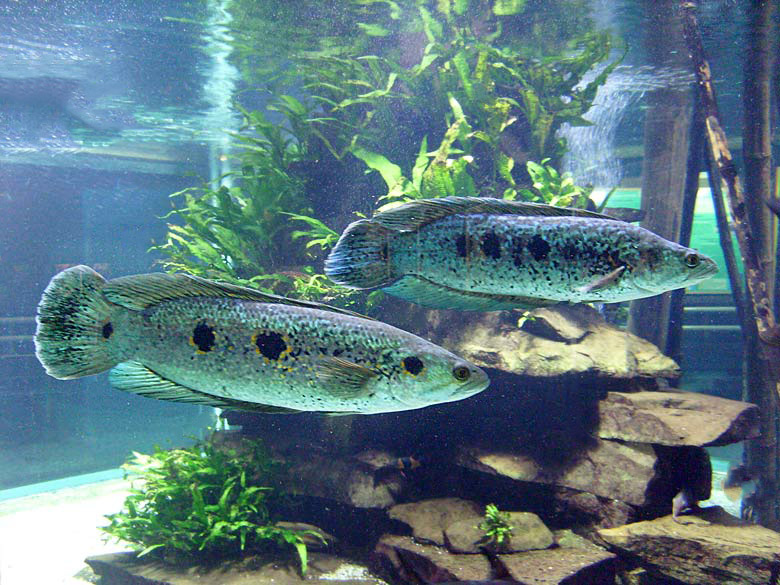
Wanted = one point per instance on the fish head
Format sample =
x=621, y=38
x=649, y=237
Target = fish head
x=430, y=375
x=671, y=266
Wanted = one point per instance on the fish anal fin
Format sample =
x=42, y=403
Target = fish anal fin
x=136, y=378
x=436, y=296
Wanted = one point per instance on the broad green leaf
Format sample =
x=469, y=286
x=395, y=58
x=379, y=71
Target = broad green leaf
x=373, y=30
x=420, y=164
x=505, y=165
x=508, y=7
x=462, y=67
x=300, y=548
x=391, y=172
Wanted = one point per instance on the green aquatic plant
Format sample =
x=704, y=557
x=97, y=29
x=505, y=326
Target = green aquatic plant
x=204, y=502
x=551, y=187
x=496, y=526
x=375, y=84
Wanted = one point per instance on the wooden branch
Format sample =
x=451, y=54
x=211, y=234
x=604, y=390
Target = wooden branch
x=726, y=243
x=718, y=151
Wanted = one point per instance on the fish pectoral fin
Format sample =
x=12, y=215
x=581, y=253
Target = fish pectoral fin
x=136, y=378
x=603, y=281
x=343, y=378
x=436, y=296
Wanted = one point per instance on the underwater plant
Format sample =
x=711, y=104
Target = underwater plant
x=204, y=502
x=370, y=92
x=496, y=526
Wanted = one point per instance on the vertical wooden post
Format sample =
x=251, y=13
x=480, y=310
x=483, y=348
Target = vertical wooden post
x=757, y=131
x=762, y=336
x=695, y=151
x=667, y=124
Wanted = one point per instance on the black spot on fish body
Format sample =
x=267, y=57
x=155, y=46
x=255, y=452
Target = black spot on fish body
x=270, y=344
x=491, y=245
x=203, y=337
x=517, y=252
x=539, y=248
x=569, y=252
x=412, y=365
x=107, y=330
x=461, y=245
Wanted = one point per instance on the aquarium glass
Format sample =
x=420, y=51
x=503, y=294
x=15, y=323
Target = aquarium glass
x=383, y=205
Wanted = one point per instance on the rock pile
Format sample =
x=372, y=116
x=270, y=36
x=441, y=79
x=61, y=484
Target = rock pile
x=577, y=431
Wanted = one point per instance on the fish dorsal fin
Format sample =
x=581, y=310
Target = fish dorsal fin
x=415, y=214
x=139, y=291
x=136, y=378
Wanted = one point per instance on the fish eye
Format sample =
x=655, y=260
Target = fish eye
x=461, y=373
x=692, y=260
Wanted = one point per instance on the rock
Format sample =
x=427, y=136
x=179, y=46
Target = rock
x=429, y=518
x=582, y=508
x=528, y=533
x=639, y=576
x=710, y=547
x=563, y=340
x=345, y=479
x=413, y=562
x=566, y=538
x=567, y=566
x=556, y=325
x=127, y=569
x=611, y=470
x=676, y=418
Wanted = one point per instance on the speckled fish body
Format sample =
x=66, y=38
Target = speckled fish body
x=488, y=254
x=180, y=338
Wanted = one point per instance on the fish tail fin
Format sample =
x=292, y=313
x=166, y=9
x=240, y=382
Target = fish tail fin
x=361, y=257
x=73, y=325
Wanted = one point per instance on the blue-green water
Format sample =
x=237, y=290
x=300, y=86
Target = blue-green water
x=107, y=109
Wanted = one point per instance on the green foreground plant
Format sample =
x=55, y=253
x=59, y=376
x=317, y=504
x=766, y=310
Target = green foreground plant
x=496, y=526
x=204, y=502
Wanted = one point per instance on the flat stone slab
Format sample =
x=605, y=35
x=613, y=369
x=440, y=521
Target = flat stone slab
x=528, y=533
x=415, y=562
x=676, y=418
x=710, y=547
x=429, y=518
x=126, y=569
x=611, y=470
x=567, y=566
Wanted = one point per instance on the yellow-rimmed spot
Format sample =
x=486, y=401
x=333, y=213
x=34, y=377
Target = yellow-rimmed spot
x=272, y=345
x=203, y=337
x=412, y=365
